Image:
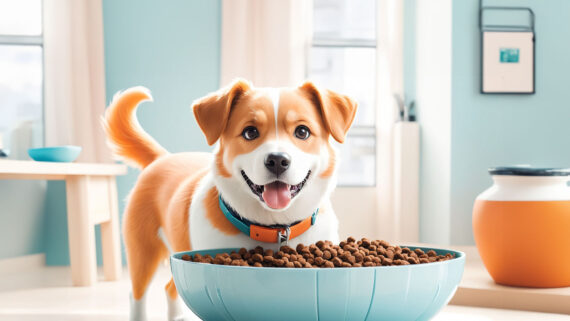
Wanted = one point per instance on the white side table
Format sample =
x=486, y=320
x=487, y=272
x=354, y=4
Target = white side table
x=91, y=199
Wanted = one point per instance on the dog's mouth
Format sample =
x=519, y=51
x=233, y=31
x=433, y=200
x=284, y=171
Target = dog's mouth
x=277, y=194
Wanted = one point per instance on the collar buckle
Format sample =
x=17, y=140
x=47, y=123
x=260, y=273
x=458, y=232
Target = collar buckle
x=283, y=238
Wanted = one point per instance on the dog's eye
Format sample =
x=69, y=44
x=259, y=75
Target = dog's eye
x=250, y=133
x=302, y=132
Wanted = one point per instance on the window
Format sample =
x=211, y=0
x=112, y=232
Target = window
x=343, y=58
x=21, y=77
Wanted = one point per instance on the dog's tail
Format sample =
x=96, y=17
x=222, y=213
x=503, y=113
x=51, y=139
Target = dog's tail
x=125, y=136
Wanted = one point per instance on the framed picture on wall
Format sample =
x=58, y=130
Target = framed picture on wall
x=507, y=62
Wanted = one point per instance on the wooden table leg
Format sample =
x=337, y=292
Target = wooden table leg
x=81, y=232
x=110, y=240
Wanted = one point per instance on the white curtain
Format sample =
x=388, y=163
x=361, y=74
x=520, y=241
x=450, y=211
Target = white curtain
x=74, y=76
x=265, y=42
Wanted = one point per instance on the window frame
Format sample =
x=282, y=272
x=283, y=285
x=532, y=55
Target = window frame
x=22, y=40
x=31, y=40
x=26, y=40
x=363, y=131
x=378, y=215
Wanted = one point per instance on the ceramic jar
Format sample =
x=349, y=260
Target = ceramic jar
x=521, y=226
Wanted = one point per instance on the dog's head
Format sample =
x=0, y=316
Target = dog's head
x=274, y=161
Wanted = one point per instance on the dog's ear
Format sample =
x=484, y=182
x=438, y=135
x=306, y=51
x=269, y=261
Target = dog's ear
x=337, y=110
x=212, y=111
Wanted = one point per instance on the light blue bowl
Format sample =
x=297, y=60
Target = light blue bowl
x=55, y=154
x=408, y=292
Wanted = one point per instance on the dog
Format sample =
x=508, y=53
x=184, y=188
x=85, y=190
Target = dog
x=267, y=182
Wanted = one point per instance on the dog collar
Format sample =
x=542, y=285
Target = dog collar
x=268, y=234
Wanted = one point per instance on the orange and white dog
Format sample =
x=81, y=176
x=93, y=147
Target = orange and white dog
x=268, y=180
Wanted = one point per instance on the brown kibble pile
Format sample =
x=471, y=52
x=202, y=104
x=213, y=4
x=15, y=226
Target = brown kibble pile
x=324, y=254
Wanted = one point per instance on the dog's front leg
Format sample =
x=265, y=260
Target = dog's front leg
x=138, y=309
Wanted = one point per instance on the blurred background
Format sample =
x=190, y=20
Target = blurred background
x=413, y=163
x=62, y=61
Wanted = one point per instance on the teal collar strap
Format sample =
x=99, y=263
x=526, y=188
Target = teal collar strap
x=270, y=234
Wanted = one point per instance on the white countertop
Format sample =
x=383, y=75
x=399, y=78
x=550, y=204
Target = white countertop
x=477, y=288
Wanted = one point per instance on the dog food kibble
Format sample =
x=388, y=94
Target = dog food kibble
x=324, y=254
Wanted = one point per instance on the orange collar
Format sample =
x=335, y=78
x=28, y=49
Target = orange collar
x=268, y=234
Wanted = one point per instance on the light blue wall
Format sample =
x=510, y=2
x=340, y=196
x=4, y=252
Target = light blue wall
x=21, y=217
x=171, y=47
x=490, y=130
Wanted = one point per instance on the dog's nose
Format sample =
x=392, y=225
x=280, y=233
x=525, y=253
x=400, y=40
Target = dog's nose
x=277, y=163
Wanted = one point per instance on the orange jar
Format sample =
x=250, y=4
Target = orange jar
x=521, y=226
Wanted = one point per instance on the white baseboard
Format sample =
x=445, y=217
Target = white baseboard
x=22, y=263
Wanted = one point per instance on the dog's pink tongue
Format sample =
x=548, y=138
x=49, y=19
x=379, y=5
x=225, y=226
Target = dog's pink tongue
x=276, y=195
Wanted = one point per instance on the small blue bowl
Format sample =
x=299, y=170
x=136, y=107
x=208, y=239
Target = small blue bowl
x=55, y=154
x=407, y=292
